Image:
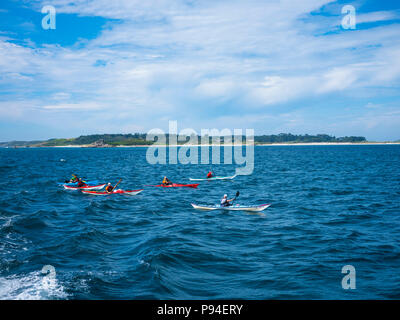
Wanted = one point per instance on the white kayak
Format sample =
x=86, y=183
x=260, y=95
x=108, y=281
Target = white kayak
x=214, y=178
x=96, y=187
x=235, y=207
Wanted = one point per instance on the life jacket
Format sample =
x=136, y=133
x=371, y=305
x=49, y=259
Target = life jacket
x=109, y=188
x=209, y=175
x=81, y=184
x=224, y=202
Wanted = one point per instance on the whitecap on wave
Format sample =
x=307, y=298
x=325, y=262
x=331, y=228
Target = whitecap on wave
x=32, y=286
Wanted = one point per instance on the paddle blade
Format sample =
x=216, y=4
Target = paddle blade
x=237, y=193
x=116, y=185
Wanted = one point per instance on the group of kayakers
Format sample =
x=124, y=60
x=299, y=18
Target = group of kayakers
x=76, y=179
x=81, y=183
x=167, y=182
x=225, y=202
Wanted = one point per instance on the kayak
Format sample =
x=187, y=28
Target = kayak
x=235, y=207
x=175, y=185
x=96, y=187
x=92, y=183
x=214, y=178
x=119, y=191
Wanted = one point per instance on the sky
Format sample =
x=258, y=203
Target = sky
x=129, y=66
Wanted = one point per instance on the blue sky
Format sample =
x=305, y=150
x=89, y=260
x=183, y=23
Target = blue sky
x=130, y=66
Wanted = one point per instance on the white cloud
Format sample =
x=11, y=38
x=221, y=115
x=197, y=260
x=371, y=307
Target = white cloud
x=338, y=79
x=371, y=105
x=163, y=57
x=376, y=16
x=61, y=96
x=276, y=89
x=217, y=88
x=83, y=106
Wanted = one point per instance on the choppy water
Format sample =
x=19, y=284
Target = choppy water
x=331, y=206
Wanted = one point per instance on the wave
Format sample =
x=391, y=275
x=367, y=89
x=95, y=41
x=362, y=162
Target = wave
x=32, y=286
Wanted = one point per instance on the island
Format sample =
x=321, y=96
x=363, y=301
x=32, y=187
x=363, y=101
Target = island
x=139, y=140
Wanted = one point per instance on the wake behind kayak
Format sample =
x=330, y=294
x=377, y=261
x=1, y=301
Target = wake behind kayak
x=214, y=178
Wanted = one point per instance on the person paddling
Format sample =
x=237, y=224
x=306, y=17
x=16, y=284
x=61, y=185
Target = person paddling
x=166, y=181
x=210, y=174
x=81, y=183
x=225, y=202
x=109, y=188
x=73, y=179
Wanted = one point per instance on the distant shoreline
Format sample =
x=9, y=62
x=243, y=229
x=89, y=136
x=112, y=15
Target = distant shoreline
x=228, y=145
x=329, y=144
x=142, y=140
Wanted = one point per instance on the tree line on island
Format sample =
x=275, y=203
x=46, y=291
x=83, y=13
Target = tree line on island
x=99, y=140
x=306, y=138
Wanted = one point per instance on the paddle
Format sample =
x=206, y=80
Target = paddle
x=116, y=185
x=237, y=195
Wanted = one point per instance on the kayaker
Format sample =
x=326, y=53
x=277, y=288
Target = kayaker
x=109, y=188
x=72, y=180
x=166, y=181
x=210, y=174
x=81, y=183
x=225, y=202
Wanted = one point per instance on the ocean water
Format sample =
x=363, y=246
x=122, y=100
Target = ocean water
x=331, y=206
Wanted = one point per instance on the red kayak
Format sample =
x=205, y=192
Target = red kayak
x=119, y=191
x=175, y=185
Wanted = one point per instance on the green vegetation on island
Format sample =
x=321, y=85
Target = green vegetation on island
x=100, y=140
x=139, y=139
x=306, y=138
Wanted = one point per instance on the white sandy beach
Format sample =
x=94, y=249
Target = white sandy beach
x=231, y=145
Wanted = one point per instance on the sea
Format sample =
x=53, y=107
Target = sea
x=332, y=230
